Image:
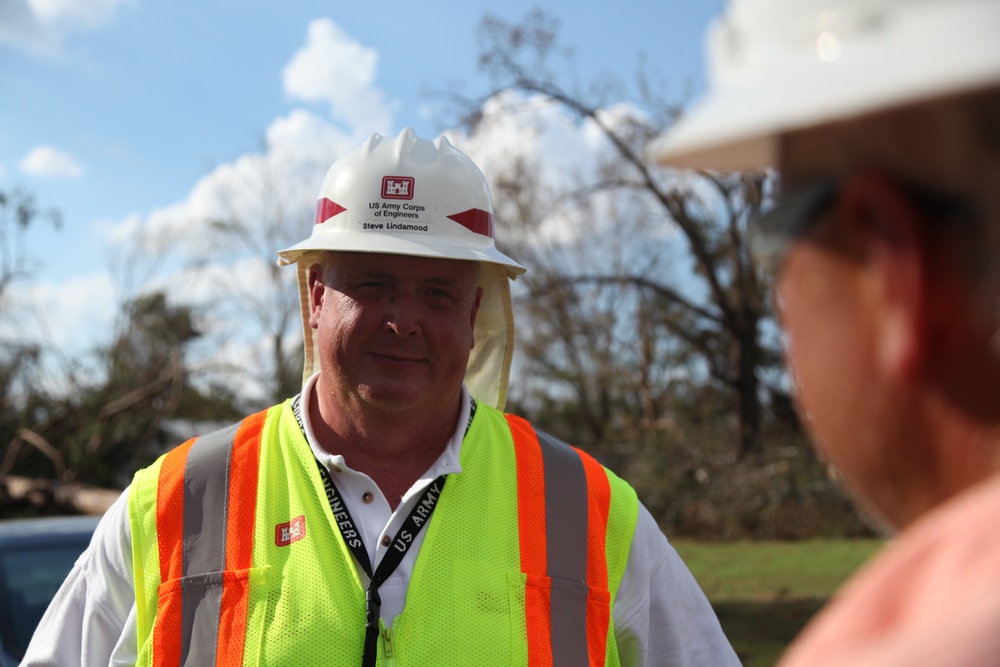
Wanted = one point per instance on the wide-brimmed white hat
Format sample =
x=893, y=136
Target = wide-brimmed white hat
x=781, y=65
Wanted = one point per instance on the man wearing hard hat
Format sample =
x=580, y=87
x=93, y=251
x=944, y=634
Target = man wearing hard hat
x=389, y=514
x=883, y=118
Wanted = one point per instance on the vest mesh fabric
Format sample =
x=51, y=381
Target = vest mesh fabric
x=314, y=605
x=145, y=561
x=465, y=602
x=305, y=599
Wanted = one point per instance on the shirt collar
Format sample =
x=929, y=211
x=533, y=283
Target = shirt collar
x=447, y=463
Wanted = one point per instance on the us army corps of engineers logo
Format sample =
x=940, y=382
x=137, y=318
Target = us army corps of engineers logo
x=290, y=531
x=397, y=187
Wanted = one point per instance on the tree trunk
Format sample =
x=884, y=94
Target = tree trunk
x=53, y=497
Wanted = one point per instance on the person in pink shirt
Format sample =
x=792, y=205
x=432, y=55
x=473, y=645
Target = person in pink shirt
x=883, y=118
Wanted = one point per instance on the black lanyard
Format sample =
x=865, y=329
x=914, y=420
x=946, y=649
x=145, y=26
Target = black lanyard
x=400, y=544
x=416, y=519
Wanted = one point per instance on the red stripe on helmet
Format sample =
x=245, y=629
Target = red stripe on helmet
x=326, y=209
x=476, y=220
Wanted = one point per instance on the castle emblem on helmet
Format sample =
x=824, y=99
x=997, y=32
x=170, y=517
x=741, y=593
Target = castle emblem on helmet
x=397, y=187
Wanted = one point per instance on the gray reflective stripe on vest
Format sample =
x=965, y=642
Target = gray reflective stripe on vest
x=566, y=545
x=206, y=503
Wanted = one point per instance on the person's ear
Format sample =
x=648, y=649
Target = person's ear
x=887, y=226
x=317, y=290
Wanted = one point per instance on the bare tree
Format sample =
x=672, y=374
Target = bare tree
x=712, y=315
x=107, y=417
x=645, y=329
x=18, y=211
x=268, y=218
x=220, y=249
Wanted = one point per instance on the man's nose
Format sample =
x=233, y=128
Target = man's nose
x=403, y=316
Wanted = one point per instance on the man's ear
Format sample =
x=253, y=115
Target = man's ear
x=317, y=290
x=888, y=228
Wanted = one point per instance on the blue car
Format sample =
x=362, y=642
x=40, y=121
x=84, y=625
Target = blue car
x=35, y=557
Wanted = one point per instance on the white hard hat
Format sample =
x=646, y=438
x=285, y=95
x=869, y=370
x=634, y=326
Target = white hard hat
x=781, y=65
x=413, y=196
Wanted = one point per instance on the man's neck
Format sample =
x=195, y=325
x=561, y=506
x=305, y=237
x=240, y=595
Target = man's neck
x=394, y=449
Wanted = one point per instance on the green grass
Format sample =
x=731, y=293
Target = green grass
x=765, y=592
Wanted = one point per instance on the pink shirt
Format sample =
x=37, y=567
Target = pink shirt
x=932, y=597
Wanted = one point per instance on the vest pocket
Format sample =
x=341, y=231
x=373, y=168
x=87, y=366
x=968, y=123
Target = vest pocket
x=194, y=612
x=559, y=617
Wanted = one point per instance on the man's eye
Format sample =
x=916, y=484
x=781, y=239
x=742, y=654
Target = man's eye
x=440, y=295
x=371, y=288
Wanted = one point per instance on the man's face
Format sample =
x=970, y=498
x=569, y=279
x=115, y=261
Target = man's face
x=829, y=301
x=830, y=356
x=394, y=332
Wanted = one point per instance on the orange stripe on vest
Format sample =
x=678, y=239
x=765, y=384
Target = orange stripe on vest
x=170, y=531
x=242, y=510
x=599, y=500
x=531, y=527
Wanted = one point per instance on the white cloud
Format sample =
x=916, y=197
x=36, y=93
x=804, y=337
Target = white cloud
x=533, y=129
x=271, y=194
x=21, y=29
x=84, y=13
x=304, y=138
x=605, y=231
x=280, y=185
x=229, y=277
x=72, y=316
x=334, y=69
x=39, y=27
x=50, y=162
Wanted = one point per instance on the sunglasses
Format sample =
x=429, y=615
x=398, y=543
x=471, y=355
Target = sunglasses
x=798, y=210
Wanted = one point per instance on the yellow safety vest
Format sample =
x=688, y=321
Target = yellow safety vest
x=238, y=559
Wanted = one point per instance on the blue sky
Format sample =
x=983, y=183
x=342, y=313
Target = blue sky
x=116, y=110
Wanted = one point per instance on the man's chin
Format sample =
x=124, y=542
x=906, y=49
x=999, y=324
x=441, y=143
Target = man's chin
x=396, y=396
